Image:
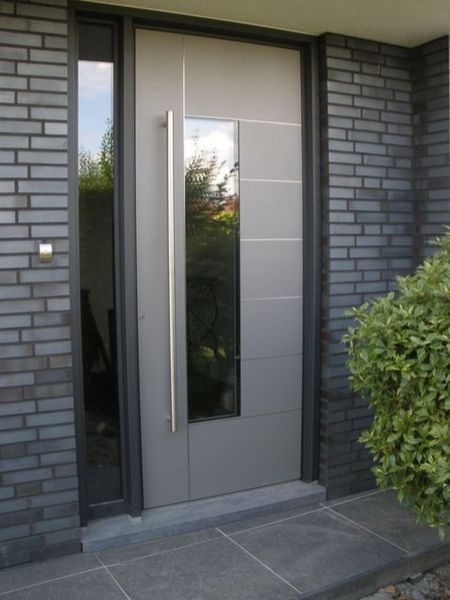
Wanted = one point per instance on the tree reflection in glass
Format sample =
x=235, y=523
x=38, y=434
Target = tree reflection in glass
x=96, y=201
x=212, y=260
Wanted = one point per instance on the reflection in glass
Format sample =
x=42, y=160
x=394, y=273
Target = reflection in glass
x=96, y=197
x=212, y=259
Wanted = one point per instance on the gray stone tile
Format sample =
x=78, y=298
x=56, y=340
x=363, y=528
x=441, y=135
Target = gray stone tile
x=214, y=570
x=96, y=585
x=268, y=519
x=132, y=551
x=384, y=515
x=37, y=572
x=317, y=549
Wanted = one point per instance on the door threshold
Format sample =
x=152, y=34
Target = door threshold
x=186, y=517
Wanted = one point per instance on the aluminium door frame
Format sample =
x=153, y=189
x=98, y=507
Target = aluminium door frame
x=128, y=20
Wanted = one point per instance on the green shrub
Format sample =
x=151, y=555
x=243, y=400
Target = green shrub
x=399, y=358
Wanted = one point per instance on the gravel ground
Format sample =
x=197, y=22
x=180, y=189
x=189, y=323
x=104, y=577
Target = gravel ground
x=434, y=585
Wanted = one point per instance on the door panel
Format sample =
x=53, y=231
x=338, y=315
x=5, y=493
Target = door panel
x=253, y=90
x=244, y=81
x=236, y=454
x=270, y=151
x=271, y=268
x=271, y=327
x=271, y=209
x=271, y=385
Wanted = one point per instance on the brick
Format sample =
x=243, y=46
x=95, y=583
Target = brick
x=21, y=306
x=12, y=262
x=63, y=536
x=10, y=423
x=21, y=364
x=42, y=70
x=50, y=418
x=56, y=458
x=47, y=172
x=42, y=157
x=15, y=201
x=56, y=431
x=65, y=510
x=12, y=53
x=42, y=216
x=46, y=333
x=48, y=27
x=46, y=186
x=27, y=475
x=13, y=112
x=65, y=470
x=16, y=531
x=19, y=435
x=29, y=488
x=13, y=141
x=17, y=247
x=8, y=321
x=9, y=336
x=13, y=351
x=42, y=12
x=21, y=39
x=49, y=143
x=50, y=201
x=49, y=231
x=47, y=85
x=60, y=347
x=12, y=82
x=55, y=498
x=42, y=99
x=7, y=97
x=45, y=446
x=50, y=289
x=56, y=129
x=17, y=408
x=52, y=41
x=55, y=524
x=342, y=65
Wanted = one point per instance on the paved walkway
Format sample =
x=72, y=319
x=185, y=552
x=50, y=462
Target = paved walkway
x=342, y=549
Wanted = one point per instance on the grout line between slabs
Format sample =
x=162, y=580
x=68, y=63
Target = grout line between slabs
x=32, y=585
x=260, y=562
x=113, y=578
x=381, y=537
x=358, y=497
x=296, y=516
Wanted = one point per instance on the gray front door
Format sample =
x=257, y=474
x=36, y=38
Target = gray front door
x=219, y=251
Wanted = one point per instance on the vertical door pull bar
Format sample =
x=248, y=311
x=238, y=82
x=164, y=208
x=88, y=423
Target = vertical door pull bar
x=171, y=273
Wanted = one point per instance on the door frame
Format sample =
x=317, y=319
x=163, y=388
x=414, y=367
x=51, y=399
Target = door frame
x=127, y=21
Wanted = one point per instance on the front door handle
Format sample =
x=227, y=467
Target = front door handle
x=171, y=273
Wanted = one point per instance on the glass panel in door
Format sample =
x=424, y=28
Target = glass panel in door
x=212, y=259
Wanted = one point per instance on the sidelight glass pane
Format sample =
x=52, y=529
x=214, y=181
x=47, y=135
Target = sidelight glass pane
x=98, y=312
x=212, y=261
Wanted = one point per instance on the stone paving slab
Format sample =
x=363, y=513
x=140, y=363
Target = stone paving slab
x=340, y=550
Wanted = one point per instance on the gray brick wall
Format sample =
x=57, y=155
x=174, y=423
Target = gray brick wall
x=385, y=176
x=431, y=129
x=38, y=483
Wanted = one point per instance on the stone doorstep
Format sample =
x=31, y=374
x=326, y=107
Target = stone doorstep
x=198, y=514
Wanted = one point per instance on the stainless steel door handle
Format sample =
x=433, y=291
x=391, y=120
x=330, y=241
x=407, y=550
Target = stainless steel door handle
x=171, y=274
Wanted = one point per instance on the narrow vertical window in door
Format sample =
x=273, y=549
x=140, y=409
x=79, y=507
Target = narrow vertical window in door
x=96, y=183
x=212, y=267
